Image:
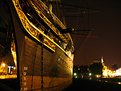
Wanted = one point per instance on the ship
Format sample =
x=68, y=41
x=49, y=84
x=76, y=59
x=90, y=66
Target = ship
x=36, y=48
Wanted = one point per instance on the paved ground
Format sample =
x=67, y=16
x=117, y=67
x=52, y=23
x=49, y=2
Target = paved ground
x=91, y=85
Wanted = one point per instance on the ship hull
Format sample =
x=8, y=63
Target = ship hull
x=38, y=67
x=57, y=68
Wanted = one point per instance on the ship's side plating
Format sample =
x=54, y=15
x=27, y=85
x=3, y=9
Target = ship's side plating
x=44, y=55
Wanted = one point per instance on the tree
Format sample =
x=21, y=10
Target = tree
x=84, y=69
x=96, y=68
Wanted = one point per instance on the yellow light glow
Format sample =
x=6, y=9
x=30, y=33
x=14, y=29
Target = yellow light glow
x=90, y=74
x=75, y=74
x=119, y=82
x=3, y=64
x=110, y=73
x=98, y=76
x=118, y=72
x=107, y=73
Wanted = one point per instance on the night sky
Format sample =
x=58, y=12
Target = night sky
x=103, y=18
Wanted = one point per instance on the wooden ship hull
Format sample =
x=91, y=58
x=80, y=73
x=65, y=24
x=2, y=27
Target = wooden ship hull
x=43, y=54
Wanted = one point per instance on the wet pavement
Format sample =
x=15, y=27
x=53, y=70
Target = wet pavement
x=92, y=85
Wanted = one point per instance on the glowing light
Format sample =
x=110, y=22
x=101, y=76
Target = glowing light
x=107, y=73
x=98, y=76
x=119, y=82
x=75, y=74
x=76, y=77
x=118, y=72
x=90, y=74
x=110, y=73
x=8, y=71
x=3, y=64
x=14, y=53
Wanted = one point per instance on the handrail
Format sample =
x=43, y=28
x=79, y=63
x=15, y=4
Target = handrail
x=33, y=31
x=54, y=16
x=30, y=28
x=42, y=15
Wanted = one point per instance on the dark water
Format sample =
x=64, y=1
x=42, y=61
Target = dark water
x=92, y=85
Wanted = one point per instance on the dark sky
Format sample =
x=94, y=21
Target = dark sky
x=103, y=18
